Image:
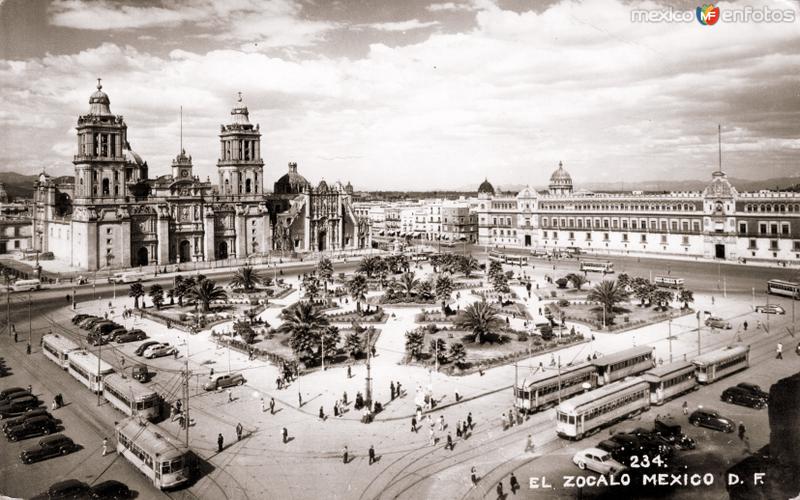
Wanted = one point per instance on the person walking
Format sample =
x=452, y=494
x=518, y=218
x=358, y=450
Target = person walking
x=779, y=351
x=284, y=434
x=299, y=400
x=371, y=454
x=529, y=444
x=344, y=398
x=514, y=483
x=413, y=424
x=469, y=420
x=105, y=446
x=345, y=454
x=349, y=372
x=220, y=442
x=432, y=437
x=458, y=428
x=271, y=406
x=391, y=390
x=230, y=396
x=685, y=408
x=473, y=476
x=263, y=405
x=745, y=325
x=239, y=430
x=321, y=414
x=336, y=409
x=504, y=420
x=499, y=490
x=449, y=442
x=511, y=418
x=397, y=389
x=741, y=431
x=441, y=423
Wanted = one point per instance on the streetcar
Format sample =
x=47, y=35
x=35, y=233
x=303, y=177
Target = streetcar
x=88, y=369
x=57, y=348
x=597, y=266
x=785, y=288
x=514, y=260
x=548, y=388
x=720, y=363
x=669, y=282
x=588, y=413
x=130, y=396
x=164, y=460
x=617, y=366
x=670, y=380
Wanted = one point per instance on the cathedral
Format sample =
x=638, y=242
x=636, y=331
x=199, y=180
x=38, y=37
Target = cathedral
x=112, y=215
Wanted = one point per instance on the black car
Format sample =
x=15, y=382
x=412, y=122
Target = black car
x=38, y=412
x=104, y=327
x=80, y=317
x=31, y=427
x=96, y=339
x=110, y=490
x=11, y=393
x=131, y=336
x=652, y=440
x=62, y=490
x=51, y=446
x=754, y=389
x=143, y=346
x=18, y=406
x=671, y=431
x=711, y=419
x=610, y=446
x=743, y=397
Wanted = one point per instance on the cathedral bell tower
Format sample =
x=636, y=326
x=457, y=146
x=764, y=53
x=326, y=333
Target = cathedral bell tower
x=240, y=166
x=100, y=165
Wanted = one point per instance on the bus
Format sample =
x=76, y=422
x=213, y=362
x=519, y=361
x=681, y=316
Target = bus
x=129, y=277
x=785, y=288
x=57, y=349
x=496, y=256
x=130, y=396
x=617, y=366
x=597, y=267
x=590, y=412
x=717, y=364
x=548, y=388
x=165, y=461
x=514, y=260
x=26, y=285
x=86, y=369
x=669, y=282
x=670, y=380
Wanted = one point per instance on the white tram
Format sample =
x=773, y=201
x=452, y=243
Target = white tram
x=670, y=380
x=785, y=288
x=617, y=366
x=548, y=387
x=57, y=349
x=130, y=396
x=163, y=459
x=717, y=364
x=597, y=267
x=84, y=366
x=596, y=409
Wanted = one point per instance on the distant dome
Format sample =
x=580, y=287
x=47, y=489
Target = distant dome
x=486, y=187
x=99, y=104
x=560, y=181
x=291, y=182
x=322, y=187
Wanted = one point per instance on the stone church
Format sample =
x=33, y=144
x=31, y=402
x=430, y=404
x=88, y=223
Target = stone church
x=112, y=215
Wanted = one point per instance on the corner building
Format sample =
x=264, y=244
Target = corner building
x=716, y=223
x=111, y=215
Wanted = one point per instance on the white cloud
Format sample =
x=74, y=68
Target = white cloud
x=450, y=6
x=411, y=24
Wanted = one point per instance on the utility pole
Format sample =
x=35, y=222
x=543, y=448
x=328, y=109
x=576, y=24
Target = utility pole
x=99, y=360
x=30, y=322
x=698, y=332
x=559, y=379
x=186, y=394
x=8, y=302
x=669, y=325
x=322, y=338
x=368, y=391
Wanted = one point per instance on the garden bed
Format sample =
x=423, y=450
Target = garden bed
x=627, y=316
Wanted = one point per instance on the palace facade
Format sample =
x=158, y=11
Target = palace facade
x=718, y=222
x=112, y=215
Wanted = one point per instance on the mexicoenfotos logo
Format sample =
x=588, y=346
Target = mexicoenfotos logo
x=708, y=15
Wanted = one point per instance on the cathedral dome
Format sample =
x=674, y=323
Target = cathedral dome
x=560, y=181
x=486, y=187
x=291, y=182
x=99, y=102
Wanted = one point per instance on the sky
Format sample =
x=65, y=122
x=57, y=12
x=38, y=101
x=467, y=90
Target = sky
x=411, y=95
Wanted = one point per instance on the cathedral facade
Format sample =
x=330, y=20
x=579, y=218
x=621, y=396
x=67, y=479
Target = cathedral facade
x=112, y=215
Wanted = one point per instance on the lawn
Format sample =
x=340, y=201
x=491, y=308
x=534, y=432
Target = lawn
x=627, y=315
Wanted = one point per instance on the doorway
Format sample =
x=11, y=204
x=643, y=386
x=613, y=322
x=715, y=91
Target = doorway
x=185, y=251
x=222, y=252
x=142, y=257
x=527, y=240
x=719, y=251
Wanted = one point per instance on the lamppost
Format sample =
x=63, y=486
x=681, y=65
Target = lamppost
x=368, y=390
x=669, y=332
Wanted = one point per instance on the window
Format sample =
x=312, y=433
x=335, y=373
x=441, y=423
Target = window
x=624, y=236
x=605, y=236
x=644, y=238
x=685, y=240
x=743, y=228
x=696, y=226
x=753, y=245
x=785, y=228
x=663, y=239
x=773, y=228
x=796, y=245
x=571, y=236
x=762, y=228
x=589, y=237
x=773, y=244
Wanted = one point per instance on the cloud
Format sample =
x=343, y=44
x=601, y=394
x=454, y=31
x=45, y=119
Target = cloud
x=449, y=6
x=411, y=24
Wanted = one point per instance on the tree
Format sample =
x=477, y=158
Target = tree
x=438, y=348
x=469, y=264
x=623, y=280
x=354, y=344
x=244, y=330
x=329, y=341
x=357, y=288
x=171, y=296
x=458, y=354
x=369, y=265
x=246, y=277
x=325, y=271
x=494, y=268
x=204, y=292
x=609, y=294
x=480, y=318
x=562, y=282
x=686, y=296
x=136, y=290
x=311, y=286
x=500, y=283
x=425, y=290
x=444, y=288
x=577, y=280
x=644, y=292
x=303, y=323
x=179, y=289
x=415, y=339
x=661, y=298
x=407, y=284
x=157, y=295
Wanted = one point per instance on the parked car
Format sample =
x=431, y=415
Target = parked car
x=131, y=336
x=711, y=419
x=116, y=332
x=222, y=381
x=105, y=327
x=69, y=489
x=36, y=426
x=96, y=339
x=48, y=447
x=141, y=373
x=653, y=440
x=717, y=322
x=18, y=406
x=11, y=393
x=89, y=322
x=158, y=350
x=110, y=490
x=743, y=397
x=80, y=317
x=667, y=428
x=770, y=309
x=38, y=412
x=598, y=461
x=754, y=389
x=144, y=346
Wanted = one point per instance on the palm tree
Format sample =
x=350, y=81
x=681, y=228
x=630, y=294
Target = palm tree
x=369, y=265
x=205, y=292
x=577, y=280
x=458, y=354
x=609, y=294
x=357, y=288
x=311, y=286
x=686, y=296
x=354, y=344
x=415, y=339
x=178, y=289
x=438, y=349
x=644, y=292
x=662, y=298
x=136, y=290
x=304, y=324
x=407, y=284
x=623, y=280
x=469, y=264
x=325, y=271
x=495, y=268
x=157, y=295
x=480, y=318
x=246, y=277
x=444, y=288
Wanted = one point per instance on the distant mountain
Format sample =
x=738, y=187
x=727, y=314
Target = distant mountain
x=18, y=185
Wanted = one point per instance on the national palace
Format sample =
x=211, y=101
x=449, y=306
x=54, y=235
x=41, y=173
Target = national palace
x=111, y=214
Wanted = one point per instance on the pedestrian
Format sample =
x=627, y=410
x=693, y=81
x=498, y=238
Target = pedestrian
x=175, y=354
x=745, y=325
x=503, y=420
x=779, y=351
x=432, y=437
x=514, y=483
x=449, y=441
x=321, y=414
x=230, y=396
x=30, y=389
x=758, y=324
x=391, y=390
x=397, y=389
x=413, y=424
x=371, y=454
x=278, y=383
x=105, y=446
x=529, y=444
x=55, y=404
x=741, y=431
x=299, y=399
x=271, y=406
x=458, y=396
x=469, y=420
x=458, y=428
x=263, y=405
x=473, y=476
x=28, y=348
x=349, y=372
x=285, y=434
x=685, y=408
x=336, y=409
x=239, y=430
x=712, y=300
x=441, y=423
x=344, y=455
x=220, y=441
x=344, y=398
x=500, y=490
x=510, y=418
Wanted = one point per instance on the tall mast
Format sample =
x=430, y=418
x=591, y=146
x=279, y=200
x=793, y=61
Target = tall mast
x=181, y=129
x=719, y=144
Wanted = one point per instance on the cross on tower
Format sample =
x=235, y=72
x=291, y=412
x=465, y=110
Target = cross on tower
x=240, y=96
x=98, y=84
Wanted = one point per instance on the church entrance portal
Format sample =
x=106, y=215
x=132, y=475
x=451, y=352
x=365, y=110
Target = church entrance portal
x=321, y=241
x=222, y=253
x=719, y=251
x=142, y=257
x=184, y=251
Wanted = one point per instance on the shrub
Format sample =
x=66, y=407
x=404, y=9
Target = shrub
x=562, y=282
x=563, y=303
x=522, y=336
